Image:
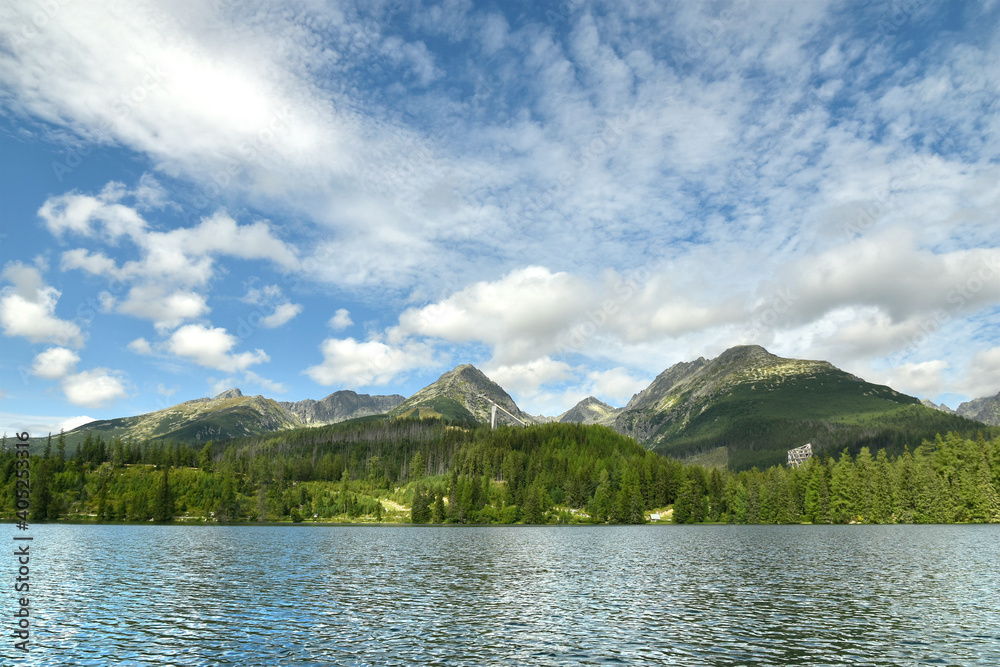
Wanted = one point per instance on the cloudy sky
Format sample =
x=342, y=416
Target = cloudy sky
x=571, y=195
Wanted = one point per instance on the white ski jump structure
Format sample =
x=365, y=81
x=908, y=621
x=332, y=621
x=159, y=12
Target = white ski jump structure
x=800, y=455
x=494, y=406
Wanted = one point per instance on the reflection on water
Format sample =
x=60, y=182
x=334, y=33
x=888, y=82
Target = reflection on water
x=699, y=595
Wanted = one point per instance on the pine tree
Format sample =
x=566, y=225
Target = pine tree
x=881, y=500
x=420, y=507
x=843, y=489
x=164, y=506
x=864, y=504
x=684, y=505
x=438, y=514
x=417, y=466
x=600, y=506
x=205, y=457
x=227, y=509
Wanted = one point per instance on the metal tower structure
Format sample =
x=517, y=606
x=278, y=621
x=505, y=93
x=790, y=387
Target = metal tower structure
x=494, y=406
x=800, y=455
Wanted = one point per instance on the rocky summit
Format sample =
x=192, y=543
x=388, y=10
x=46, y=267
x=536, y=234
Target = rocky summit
x=590, y=411
x=459, y=395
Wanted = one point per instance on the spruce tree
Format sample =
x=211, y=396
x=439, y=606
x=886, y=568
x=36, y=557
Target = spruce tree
x=420, y=507
x=417, y=466
x=438, y=513
x=164, y=506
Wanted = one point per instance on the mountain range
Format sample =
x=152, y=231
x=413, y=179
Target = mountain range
x=233, y=415
x=985, y=409
x=747, y=406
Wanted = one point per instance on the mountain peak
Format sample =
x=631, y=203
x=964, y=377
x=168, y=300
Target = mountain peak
x=590, y=410
x=746, y=353
x=458, y=394
x=229, y=393
x=985, y=409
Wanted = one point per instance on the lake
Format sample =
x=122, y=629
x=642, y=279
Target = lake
x=519, y=595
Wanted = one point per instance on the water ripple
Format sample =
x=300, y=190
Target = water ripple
x=653, y=595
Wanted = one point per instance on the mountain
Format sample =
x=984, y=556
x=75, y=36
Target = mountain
x=758, y=406
x=934, y=406
x=227, y=415
x=340, y=406
x=457, y=395
x=986, y=409
x=590, y=411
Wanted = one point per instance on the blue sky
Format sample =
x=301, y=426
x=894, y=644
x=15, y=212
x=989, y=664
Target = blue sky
x=573, y=196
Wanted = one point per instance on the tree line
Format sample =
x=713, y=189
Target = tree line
x=428, y=471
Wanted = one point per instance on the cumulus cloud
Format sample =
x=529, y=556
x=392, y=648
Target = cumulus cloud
x=38, y=425
x=983, y=376
x=526, y=379
x=758, y=150
x=173, y=265
x=210, y=347
x=283, y=313
x=100, y=215
x=919, y=379
x=340, y=320
x=28, y=306
x=351, y=363
x=167, y=309
x=268, y=296
x=54, y=363
x=267, y=385
x=520, y=315
x=96, y=388
x=140, y=346
x=616, y=385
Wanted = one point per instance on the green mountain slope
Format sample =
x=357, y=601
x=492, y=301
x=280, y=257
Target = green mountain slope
x=590, y=411
x=458, y=396
x=758, y=406
x=228, y=415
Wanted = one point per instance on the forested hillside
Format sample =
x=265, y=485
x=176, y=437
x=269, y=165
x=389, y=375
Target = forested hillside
x=427, y=471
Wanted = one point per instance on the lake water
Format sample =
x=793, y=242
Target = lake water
x=642, y=595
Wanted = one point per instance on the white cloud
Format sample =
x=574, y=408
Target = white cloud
x=272, y=295
x=92, y=216
x=219, y=234
x=267, y=385
x=349, y=363
x=95, y=388
x=172, y=264
x=210, y=347
x=282, y=314
x=521, y=315
x=260, y=296
x=140, y=346
x=27, y=308
x=919, y=379
x=39, y=426
x=742, y=144
x=525, y=379
x=55, y=363
x=983, y=376
x=165, y=308
x=616, y=385
x=340, y=320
